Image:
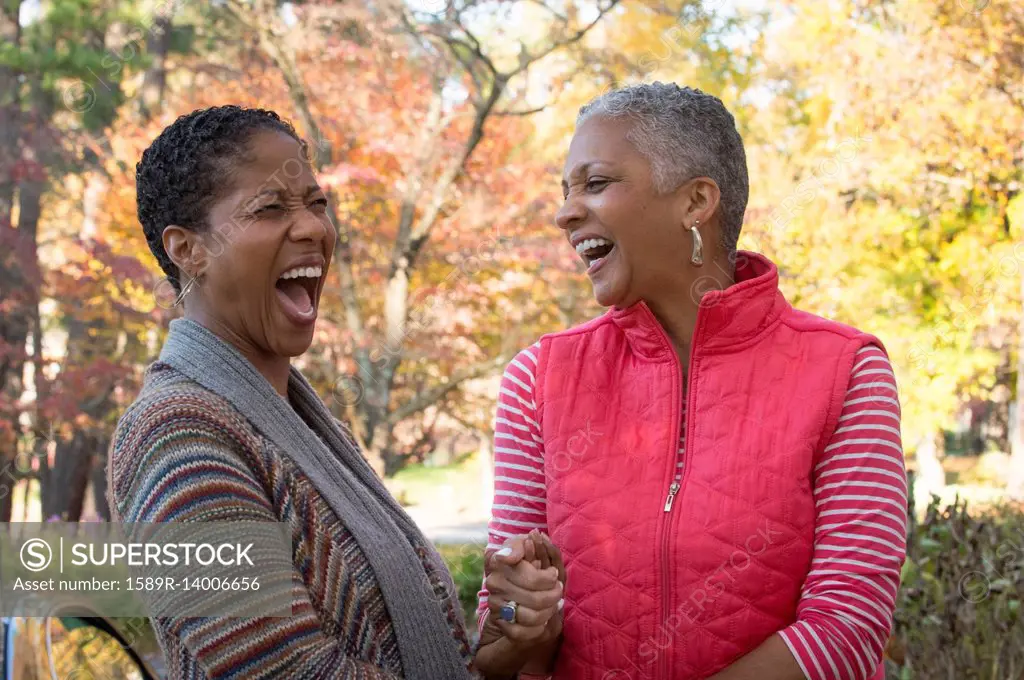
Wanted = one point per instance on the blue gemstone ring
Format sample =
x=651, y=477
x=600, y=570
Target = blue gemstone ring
x=508, y=611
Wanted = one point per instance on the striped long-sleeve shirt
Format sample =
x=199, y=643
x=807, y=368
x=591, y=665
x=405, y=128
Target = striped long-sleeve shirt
x=845, y=611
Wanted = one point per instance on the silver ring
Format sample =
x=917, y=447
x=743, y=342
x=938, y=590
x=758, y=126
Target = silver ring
x=508, y=611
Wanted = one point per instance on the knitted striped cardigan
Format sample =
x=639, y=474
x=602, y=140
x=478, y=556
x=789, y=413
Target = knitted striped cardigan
x=182, y=453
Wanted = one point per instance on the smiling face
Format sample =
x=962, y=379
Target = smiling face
x=633, y=239
x=266, y=254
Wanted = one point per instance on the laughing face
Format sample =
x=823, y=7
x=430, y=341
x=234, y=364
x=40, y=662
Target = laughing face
x=632, y=239
x=266, y=256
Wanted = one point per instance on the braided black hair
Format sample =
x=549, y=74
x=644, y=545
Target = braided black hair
x=182, y=172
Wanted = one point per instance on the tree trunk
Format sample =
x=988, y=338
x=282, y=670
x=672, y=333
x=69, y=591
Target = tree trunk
x=26, y=495
x=14, y=328
x=158, y=43
x=6, y=501
x=42, y=429
x=379, y=453
x=99, y=484
x=10, y=108
x=80, y=475
x=20, y=275
x=10, y=150
x=20, y=278
x=69, y=479
x=1015, y=482
x=30, y=197
x=63, y=490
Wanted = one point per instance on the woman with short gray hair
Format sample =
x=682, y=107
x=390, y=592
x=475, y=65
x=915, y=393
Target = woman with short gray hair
x=711, y=480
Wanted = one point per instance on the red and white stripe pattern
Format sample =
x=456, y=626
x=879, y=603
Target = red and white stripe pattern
x=860, y=489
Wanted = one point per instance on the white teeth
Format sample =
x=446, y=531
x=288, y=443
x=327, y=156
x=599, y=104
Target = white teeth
x=584, y=246
x=307, y=272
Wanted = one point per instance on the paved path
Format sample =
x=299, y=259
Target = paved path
x=468, y=532
x=448, y=529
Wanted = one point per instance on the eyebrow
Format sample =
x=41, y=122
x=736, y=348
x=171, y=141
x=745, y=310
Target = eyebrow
x=581, y=170
x=310, y=190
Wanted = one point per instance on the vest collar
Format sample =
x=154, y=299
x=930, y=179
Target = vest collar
x=726, y=319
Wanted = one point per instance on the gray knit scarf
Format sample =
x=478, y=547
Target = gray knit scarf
x=344, y=479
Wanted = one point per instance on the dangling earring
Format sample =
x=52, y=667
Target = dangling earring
x=185, y=291
x=697, y=258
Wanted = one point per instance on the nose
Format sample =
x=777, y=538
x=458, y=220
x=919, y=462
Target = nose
x=307, y=226
x=571, y=214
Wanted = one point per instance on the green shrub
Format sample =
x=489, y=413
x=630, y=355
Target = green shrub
x=466, y=563
x=958, y=613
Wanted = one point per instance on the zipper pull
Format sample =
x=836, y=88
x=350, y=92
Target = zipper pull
x=672, y=491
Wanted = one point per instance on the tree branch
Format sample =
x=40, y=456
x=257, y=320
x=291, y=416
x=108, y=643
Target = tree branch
x=529, y=59
x=563, y=18
x=453, y=44
x=525, y=112
x=453, y=381
x=481, y=426
x=421, y=231
x=415, y=222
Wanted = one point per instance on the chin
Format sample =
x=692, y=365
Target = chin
x=296, y=343
x=613, y=284
x=611, y=291
x=609, y=296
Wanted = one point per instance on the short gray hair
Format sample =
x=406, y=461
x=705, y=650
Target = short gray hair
x=683, y=133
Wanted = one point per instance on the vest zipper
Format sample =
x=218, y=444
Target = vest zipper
x=677, y=481
x=664, y=665
x=672, y=491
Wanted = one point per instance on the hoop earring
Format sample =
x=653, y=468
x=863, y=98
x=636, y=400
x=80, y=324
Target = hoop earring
x=185, y=291
x=697, y=258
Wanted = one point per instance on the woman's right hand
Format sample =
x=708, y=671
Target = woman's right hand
x=529, y=571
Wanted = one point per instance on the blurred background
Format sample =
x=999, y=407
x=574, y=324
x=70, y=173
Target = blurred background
x=885, y=142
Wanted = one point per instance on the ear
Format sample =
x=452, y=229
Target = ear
x=702, y=198
x=186, y=250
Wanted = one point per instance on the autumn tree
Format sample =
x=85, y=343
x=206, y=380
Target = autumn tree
x=79, y=64
x=107, y=321
x=434, y=106
x=990, y=47
x=891, y=188
x=37, y=60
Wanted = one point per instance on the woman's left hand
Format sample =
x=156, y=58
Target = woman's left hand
x=548, y=555
x=514, y=575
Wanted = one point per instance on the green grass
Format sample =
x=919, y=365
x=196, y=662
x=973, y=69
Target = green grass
x=417, y=484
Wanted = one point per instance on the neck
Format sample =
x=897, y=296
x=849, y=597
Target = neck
x=273, y=367
x=676, y=307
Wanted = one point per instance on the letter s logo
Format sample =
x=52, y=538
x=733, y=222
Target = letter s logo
x=36, y=554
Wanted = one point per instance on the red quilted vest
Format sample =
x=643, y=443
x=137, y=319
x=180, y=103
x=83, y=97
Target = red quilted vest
x=678, y=594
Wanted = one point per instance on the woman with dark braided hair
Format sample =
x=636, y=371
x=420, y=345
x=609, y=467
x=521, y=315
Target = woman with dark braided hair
x=225, y=429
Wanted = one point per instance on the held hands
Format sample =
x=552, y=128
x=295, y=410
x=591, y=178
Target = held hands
x=530, y=572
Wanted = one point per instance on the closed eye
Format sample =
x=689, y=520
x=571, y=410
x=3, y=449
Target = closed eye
x=273, y=207
x=590, y=186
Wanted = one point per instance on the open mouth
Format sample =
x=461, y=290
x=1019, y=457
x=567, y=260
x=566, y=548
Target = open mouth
x=296, y=290
x=594, y=250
